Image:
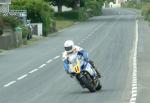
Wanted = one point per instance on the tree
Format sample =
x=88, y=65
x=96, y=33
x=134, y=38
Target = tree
x=75, y=4
x=58, y=3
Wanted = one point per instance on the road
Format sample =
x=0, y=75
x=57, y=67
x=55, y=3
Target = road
x=115, y=41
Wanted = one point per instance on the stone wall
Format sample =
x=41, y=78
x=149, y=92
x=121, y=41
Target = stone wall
x=10, y=40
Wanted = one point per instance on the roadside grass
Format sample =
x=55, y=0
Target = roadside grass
x=63, y=23
x=33, y=40
x=2, y=50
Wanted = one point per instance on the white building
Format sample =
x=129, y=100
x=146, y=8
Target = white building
x=4, y=6
x=120, y=1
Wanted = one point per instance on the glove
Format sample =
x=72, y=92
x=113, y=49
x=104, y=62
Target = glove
x=71, y=75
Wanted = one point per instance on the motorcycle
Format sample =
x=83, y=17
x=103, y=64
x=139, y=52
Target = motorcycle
x=85, y=74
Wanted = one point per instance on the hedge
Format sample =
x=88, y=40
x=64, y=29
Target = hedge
x=78, y=15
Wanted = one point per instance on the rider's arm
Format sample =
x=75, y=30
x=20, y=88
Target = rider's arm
x=66, y=66
x=84, y=54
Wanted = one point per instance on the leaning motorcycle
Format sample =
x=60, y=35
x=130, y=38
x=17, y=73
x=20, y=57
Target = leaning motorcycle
x=85, y=74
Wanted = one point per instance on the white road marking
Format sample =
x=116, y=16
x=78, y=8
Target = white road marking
x=56, y=57
x=49, y=61
x=134, y=94
x=90, y=34
x=96, y=29
x=133, y=100
x=134, y=72
x=22, y=77
x=134, y=91
x=42, y=66
x=10, y=83
x=34, y=70
x=134, y=84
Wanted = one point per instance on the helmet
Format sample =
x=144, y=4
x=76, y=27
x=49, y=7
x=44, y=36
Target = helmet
x=69, y=46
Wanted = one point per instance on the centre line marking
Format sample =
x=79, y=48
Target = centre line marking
x=42, y=66
x=56, y=57
x=10, y=83
x=34, y=70
x=22, y=77
x=49, y=61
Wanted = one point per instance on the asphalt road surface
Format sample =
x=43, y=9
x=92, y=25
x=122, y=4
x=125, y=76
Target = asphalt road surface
x=117, y=42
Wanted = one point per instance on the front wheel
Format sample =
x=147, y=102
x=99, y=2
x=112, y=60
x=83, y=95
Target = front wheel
x=99, y=87
x=86, y=80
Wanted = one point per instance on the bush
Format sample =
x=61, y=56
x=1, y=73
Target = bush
x=37, y=10
x=146, y=11
x=25, y=32
x=78, y=15
x=129, y=4
x=94, y=8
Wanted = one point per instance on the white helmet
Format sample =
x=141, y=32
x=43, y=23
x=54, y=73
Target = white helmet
x=69, y=46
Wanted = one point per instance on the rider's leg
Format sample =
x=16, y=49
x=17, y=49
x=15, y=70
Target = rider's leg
x=93, y=66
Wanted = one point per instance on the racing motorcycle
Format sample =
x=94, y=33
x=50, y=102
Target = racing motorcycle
x=85, y=74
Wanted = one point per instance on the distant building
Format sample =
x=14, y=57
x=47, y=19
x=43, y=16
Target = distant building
x=64, y=8
x=4, y=6
x=120, y=1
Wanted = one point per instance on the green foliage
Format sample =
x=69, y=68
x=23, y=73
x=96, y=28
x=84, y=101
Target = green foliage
x=1, y=31
x=9, y=22
x=129, y=4
x=132, y=4
x=94, y=8
x=146, y=11
x=25, y=31
x=82, y=15
x=90, y=8
x=56, y=2
x=77, y=15
x=146, y=1
x=37, y=10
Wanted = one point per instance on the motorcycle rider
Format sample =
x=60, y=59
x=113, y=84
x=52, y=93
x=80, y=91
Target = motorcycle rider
x=71, y=49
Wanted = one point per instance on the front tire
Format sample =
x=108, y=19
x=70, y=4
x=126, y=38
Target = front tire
x=99, y=87
x=86, y=80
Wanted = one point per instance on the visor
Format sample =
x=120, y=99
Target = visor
x=68, y=48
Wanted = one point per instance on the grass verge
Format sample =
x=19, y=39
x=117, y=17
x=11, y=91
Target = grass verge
x=33, y=40
x=62, y=23
x=1, y=50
